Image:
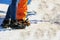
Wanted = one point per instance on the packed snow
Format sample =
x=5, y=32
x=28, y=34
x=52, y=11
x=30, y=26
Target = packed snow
x=47, y=26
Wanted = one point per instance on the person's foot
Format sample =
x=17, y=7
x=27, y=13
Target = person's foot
x=27, y=22
x=5, y=24
x=24, y=22
x=19, y=24
x=14, y=25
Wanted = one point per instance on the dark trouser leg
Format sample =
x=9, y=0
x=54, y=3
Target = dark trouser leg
x=6, y=21
x=13, y=9
x=11, y=13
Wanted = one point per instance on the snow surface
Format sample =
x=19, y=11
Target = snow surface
x=3, y=10
x=44, y=29
x=40, y=31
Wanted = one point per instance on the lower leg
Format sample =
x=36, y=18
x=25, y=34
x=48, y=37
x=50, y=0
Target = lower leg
x=22, y=12
x=13, y=9
x=6, y=20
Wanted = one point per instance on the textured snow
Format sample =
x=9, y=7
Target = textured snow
x=40, y=31
x=48, y=29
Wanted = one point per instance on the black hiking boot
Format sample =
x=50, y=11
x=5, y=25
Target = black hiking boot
x=17, y=24
x=23, y=23
x=5, y=23
x=27, y=22
x=14, y=24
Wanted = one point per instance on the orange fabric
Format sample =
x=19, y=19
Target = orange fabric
x=22, y=9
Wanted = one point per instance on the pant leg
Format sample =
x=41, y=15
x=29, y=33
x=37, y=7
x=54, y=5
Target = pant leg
x=22, y=9
x=13, y=9
x=11, y=13
x=29, y=1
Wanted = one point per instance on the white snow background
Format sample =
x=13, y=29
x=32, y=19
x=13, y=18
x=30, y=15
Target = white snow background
x=46, y=24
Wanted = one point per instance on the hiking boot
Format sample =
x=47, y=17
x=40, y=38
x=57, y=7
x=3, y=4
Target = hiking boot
x=14, y=25
x=27, y=22
x=23, y=23
x=19, y=24
x=5, y=23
